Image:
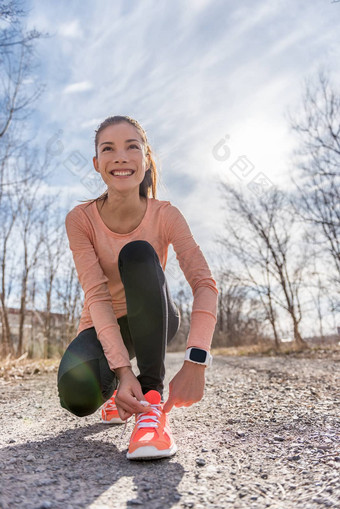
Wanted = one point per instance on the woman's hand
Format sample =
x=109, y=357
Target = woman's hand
x=187, y=387
x=129, y=394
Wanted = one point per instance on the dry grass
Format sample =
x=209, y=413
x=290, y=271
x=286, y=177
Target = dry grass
x=242, y=350
x=285, y=349
x=15, y=369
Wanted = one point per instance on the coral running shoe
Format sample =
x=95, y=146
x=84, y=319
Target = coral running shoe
x=110, y=413
x=151, y=437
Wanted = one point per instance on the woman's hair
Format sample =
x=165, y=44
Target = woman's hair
x=149, y=185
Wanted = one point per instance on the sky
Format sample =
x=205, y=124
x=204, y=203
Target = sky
x=198, y=75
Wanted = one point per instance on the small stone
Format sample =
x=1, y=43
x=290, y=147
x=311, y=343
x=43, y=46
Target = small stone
x=200, y=462
x=204, y=450
x=279, y=438
x=324, y=447
x=323, y=501
x=30, y=457
x=45, y=505
x=294, y=458
x=240, y=433
x=104, y=482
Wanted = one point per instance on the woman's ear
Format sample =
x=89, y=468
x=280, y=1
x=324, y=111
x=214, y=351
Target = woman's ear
x=95, y=163
x=148, y=161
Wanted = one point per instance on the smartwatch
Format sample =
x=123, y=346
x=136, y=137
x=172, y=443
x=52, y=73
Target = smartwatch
x=198, y=356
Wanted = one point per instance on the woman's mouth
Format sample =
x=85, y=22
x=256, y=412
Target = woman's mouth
x=122, y=173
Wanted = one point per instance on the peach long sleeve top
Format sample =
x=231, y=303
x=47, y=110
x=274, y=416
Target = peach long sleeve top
x=95, y=249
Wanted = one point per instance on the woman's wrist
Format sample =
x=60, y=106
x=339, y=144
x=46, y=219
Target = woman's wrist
x=194, y=366
x=120, y=372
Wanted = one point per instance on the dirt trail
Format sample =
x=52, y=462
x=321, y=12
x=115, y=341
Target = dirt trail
x=266, y=434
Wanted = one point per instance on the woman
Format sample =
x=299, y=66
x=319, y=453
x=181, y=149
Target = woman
x=119, y=243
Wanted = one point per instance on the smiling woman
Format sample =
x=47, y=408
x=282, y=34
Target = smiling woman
x=124, y=134
x=119, y=243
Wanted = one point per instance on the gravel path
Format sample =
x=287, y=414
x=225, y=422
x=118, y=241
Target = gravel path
x=266, y=434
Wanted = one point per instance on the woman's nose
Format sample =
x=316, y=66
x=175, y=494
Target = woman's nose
x=120, y=156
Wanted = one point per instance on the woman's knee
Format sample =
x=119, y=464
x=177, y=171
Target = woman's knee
x=79, y=389
x=135, y=251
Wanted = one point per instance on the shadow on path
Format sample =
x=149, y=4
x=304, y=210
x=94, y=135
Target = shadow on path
x=74, y=468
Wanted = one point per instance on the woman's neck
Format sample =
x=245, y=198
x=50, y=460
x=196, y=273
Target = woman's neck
x=123, y=207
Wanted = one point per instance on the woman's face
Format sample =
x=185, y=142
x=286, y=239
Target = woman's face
x=120, y=147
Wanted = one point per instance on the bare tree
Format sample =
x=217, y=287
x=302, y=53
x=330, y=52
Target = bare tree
x=9, y=210
x=17, y=92
x=54, y=249
x=183, y=300
x=69, y=298
x=252, y=281
x=259, y=232
x=33, y=209
x=21, y=175
x=318, y=182
x=321, y=290
x=240, y=319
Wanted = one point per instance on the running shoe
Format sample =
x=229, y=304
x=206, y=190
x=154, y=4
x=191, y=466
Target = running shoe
x=110, y=413
x=151, y=437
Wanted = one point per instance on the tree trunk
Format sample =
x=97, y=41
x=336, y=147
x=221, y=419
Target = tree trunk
x=48, y=321
x=300, y=343
x=6, y=346
x=220, y=311
x=272, y=320
x=22, y=313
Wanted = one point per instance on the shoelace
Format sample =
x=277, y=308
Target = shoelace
x=145, y=416
x=124, y=429
x=110, y=406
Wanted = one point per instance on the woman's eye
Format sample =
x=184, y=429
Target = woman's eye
x=110, y=148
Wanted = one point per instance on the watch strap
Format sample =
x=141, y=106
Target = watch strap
x=198, y=356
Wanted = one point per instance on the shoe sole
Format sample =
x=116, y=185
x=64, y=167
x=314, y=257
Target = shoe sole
x=150, y=453
x=115, y=420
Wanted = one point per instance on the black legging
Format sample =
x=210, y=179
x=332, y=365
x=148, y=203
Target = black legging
x=85, y=380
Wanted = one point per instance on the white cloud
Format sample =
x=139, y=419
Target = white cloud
x=81, y=86
x=71, y=29
x=93, y=123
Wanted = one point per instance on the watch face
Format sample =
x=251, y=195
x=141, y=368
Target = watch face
x=198, y=355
